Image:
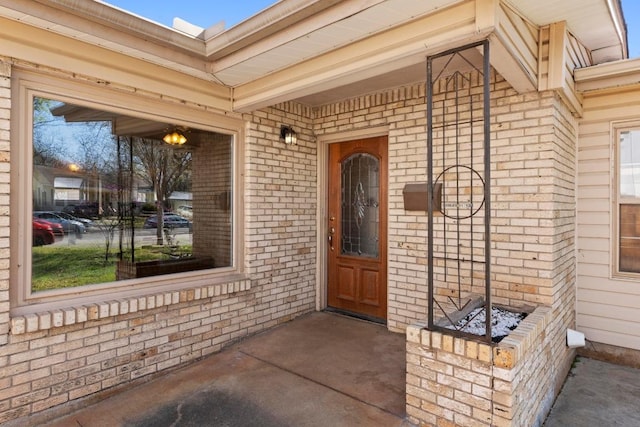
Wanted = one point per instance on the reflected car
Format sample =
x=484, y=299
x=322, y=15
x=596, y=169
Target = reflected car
x=69, y=226
x=42, y=234
x=85, y=221
x=84, y=209
x=186, y=211
x=58, y=231
x=170, y=221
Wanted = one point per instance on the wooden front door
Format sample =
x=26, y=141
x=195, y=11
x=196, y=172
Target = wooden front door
x=357, y=228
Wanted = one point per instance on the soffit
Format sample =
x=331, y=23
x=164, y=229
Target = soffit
x=597, y=26
x=316, y=36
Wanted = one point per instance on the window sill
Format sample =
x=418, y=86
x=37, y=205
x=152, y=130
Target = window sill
x=42, y=321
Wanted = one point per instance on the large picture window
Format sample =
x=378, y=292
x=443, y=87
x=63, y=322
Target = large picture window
x=118, y=197
x=628, y=200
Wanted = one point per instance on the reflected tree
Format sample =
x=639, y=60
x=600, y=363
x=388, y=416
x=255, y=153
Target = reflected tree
x=165, y=169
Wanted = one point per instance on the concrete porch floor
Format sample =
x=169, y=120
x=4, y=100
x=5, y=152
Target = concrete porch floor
x=320, y=370
x=323, y=369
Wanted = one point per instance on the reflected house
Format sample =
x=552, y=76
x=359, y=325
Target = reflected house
x=180, y=198
x=44, y=187
x=58, y=188
x=54, y=188
x=67, y=190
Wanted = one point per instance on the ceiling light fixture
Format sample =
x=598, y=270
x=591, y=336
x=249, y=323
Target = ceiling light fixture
x=175, y=138
x=288, y=135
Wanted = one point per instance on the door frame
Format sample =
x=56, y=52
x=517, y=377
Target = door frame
x=322, y=202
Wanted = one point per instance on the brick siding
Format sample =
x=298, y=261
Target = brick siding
x=59, y=356
x=533, y=143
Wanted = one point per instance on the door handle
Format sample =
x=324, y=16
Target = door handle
x=331, y=231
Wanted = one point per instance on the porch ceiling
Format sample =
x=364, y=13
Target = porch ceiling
x=318, y=51
x=598, y=24
x=330, y=29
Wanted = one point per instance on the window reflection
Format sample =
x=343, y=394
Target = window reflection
x=112, y=201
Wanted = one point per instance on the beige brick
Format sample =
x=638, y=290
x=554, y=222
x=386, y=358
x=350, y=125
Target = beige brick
x=454, y=406
x=436, y=340
x=472, y=377
x=57, y=318
x=422, y=393
x=504, y=357
x=14, y=391
x=447, y=343
x=463, y=420
x=44, y=321
x=426, y=338
x=413, y=334
x=471, y=349
x=484, y=353
x=29, y=398
x=459, y=346
x=18, y=325
x=84, y=391
x=31, y=322
x=473, y=400
x=438, y=410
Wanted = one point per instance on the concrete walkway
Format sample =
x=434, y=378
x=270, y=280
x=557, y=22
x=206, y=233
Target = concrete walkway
x=598, y=394
x=324, y=369
x=320, y=370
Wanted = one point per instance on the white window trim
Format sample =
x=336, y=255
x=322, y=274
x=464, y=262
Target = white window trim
x=616, y=200
x=135, y=292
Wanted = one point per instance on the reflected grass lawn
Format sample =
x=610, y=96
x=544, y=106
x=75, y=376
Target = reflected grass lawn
x=57, y=267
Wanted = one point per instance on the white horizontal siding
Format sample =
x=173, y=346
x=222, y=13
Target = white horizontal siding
x=608, y=308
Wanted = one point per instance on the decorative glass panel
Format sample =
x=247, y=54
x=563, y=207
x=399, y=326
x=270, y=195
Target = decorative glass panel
x=360, y=205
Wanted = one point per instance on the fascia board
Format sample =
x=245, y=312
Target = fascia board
x=608, y=75
x=31, y=45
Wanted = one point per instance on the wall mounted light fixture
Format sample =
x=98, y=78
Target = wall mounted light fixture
x=175, y=138
x=288, y=135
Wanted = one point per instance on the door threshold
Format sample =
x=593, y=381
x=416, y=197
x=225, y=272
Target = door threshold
x=359, y=316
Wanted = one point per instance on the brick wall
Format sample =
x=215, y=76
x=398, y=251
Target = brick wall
x=5, y=115
x=532, y=150
x=61, y=356
x=50, y=367
x=280, y=210
x=212, y=209
x=458, y=381
x=533, y=143
x=533, y=207
x=403, y=110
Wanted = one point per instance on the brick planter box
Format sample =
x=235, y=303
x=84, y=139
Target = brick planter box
x=461, y=381
x=129, y=270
